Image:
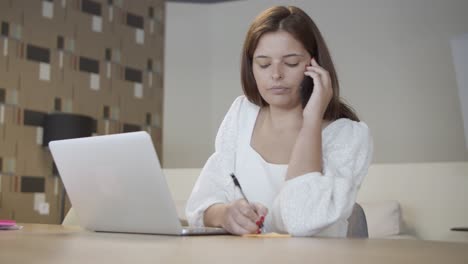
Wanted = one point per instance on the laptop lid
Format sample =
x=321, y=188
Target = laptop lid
x=115, y=183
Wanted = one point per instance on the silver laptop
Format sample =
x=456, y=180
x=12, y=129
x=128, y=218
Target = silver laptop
x=115, y=184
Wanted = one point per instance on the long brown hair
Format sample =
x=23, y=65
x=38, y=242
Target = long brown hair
x=297, y=23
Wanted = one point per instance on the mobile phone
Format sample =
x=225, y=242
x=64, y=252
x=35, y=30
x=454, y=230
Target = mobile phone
x=307, y=86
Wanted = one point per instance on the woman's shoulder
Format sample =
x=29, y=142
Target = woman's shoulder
x=348, y=142
x=240, y=112
x=242, y=105
x=243, y=101
x=346, y=129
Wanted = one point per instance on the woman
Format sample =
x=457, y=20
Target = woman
x=299, y=153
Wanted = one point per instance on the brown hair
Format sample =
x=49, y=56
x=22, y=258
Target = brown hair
x=297, y=23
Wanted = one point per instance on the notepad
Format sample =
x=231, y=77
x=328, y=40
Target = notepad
x=268, y=235
x=9, y=225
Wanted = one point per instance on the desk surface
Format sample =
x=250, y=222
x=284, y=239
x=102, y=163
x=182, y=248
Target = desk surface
x=58, y=244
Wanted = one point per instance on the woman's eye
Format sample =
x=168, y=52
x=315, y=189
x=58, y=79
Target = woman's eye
x=263, y=66
x=292, y=64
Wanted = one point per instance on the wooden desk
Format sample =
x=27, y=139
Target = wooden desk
x=58, y=244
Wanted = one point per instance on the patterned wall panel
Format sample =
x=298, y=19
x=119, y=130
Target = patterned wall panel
x=100, y=58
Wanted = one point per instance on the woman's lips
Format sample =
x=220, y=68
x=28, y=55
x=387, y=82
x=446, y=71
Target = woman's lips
x=279, y=90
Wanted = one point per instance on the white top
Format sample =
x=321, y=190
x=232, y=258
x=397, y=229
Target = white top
x=311, y=204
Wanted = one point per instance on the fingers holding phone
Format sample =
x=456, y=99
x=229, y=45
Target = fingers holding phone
x=322, y=90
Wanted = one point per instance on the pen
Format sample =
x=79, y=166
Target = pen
x=237, y=184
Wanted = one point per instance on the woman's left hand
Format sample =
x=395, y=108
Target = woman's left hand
x=322, y=93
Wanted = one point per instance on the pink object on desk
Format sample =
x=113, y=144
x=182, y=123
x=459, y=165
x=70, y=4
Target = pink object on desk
x=7, y=223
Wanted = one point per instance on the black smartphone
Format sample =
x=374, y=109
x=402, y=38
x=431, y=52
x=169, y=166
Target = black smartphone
x=307, y=86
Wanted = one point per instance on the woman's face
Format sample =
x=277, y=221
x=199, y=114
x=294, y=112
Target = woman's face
x=279, y=63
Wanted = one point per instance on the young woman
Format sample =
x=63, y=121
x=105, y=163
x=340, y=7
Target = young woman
x=298, y=152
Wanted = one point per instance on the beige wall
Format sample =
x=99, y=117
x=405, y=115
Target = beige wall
x=187, y=124
x=459, y=46
x=393, y=59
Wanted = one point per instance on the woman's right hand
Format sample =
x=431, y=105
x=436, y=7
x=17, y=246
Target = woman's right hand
x=241, y=218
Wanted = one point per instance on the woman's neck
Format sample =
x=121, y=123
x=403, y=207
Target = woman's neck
x=281, y=119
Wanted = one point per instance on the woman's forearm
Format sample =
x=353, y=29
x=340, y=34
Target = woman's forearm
x=307, y=152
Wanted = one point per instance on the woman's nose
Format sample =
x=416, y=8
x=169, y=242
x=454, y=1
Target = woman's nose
x=277, y=73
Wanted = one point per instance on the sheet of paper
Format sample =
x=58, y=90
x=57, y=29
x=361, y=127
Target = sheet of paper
x=47, y=9
x=44, y=208
x=39, y=135
x=5, y=47
x=115, y=113
x=158, y=67
x=97, y=24
x=150, y=79
x=156, y=120
x=108, y=70
x=106, y=127
x=94, y=81
x=60, y=59
x=268, y=235
x=56, y=185
x=70, y=45
x=17, y=31
x=151, y=26
x=2, y=114
x=67, y=106
x=111, y=13
x=39, y=198
x=140, y=36
x=116, y=55
x=44, y=71
x=12, y=97
x=10, y=165
x=138, y=90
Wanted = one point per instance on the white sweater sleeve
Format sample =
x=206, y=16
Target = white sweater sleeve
x=312, y=202
x=214, y=185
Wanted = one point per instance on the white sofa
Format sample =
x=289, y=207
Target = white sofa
x=433, y=197
x=420, y=201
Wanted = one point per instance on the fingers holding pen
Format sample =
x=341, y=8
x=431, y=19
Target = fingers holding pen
x=240, y=218
x=256, y=213
x=246, y=215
